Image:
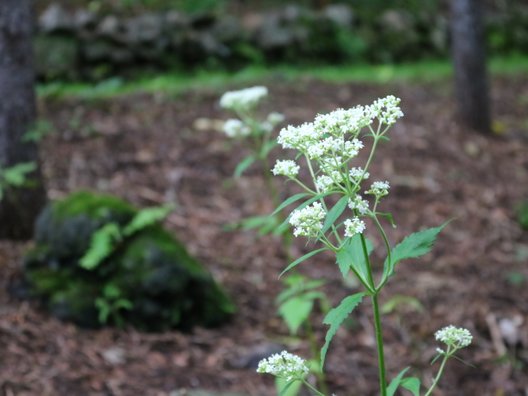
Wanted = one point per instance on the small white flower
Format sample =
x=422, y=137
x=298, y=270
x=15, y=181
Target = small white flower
x=286, y=168
x=357, y=173
x=360, y=204
x=379, y=188
x=236, y=128
x=324, y=183
x=308, y=221
x=354, y=226
x=284, y=365
x=456, y=337
x=244, y=99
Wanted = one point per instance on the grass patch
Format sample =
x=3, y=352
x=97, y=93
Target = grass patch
x=178, y=82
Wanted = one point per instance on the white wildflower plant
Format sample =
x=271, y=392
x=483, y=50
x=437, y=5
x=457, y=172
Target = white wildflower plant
x=249, y=125
x=332, y=210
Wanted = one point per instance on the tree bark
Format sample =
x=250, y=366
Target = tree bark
x=20, y=206
x=469, y=58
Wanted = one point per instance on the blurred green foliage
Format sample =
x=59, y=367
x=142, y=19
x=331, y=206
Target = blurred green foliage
x=144, y=278
x=522, y=215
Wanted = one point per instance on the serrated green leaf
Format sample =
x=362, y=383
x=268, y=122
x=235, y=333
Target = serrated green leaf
x=101, y=246
x=412, y=384
x=147, y=217
x=414, y=245
x=295, y=311
x=351, y=256
x=395, y=383
x=336, y=316
x=334, y=213
x=243, y=165
x=301, y=259
x=289, y=201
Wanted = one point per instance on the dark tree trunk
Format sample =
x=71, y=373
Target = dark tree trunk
x=19, y=207
x=469, y=57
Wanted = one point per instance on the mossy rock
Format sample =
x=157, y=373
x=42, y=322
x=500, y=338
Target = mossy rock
x=152, y=271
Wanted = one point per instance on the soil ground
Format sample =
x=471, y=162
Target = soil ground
x=149, y=149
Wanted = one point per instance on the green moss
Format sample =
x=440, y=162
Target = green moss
x=165, y=286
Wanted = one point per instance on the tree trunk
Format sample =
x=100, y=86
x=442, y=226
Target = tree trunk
x=469, y=57
x=19, y=207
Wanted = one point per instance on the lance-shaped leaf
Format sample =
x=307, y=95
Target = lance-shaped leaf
x=395, y=383
x=412, y=384
x=334, y=213
x=147, y=217
x=351, y=255
x=102, y=245
x=336, y=316
x=289, y=201
x=287, y=388
x=243, y=165
x=414, y=245
x=301, y=259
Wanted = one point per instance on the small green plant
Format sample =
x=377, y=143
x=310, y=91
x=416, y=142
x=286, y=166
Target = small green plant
x=110, y=305
x=40, y=130
x=99, y=261
x=334, y=213
x=256, y=133
x=15, y=176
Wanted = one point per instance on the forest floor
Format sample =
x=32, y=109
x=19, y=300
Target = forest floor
x=153, y=148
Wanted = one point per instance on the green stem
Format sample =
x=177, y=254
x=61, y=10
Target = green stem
x=379, y=344
x=440, y=372
x=312, y=388
x=377, y=324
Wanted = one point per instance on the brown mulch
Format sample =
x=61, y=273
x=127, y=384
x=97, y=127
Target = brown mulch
x=149, y=149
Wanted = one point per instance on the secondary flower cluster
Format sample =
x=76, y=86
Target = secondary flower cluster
x=244, y=99
x=284, y=365
x=455, y=337
x=243, y=103
x=329, y=144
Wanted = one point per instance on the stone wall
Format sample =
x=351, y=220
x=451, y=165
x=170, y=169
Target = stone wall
x=81, y=45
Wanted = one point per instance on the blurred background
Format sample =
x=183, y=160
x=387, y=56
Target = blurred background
x=113, y=128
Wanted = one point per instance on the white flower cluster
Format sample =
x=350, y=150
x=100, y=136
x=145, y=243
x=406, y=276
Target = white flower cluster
x=386, y=110
x=235, y=128
x=331, y=141
x=360, y=204
x=456, y=337
x=244, y=99
x=354, y=226
x=308, y=221
x=379, y=189
x=286, y=168
x=284, y=365
x=358, y=174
